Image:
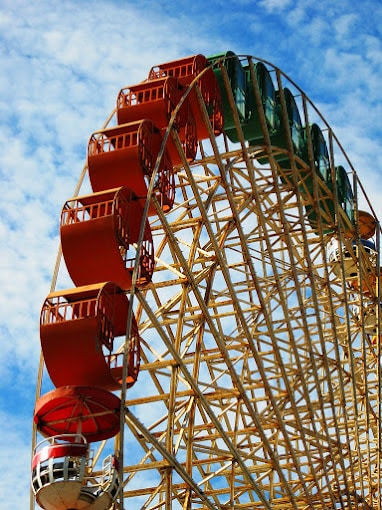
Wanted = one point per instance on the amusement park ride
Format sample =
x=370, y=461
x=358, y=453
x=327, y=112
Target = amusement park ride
x=218, y=343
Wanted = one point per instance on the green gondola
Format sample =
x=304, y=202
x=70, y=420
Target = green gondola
x=238, y=82
x=321, y=196
x=279, y=139
x=293, y=121
x=252, y=129
x=345, y=193
x=242, y=87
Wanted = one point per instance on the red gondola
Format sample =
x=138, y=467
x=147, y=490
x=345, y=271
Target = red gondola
x=127, y=155
x=78, y=331
x=186, y=70
x=99, y=233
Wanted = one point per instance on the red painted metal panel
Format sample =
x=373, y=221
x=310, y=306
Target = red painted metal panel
x=55, y=451
x=91, y=411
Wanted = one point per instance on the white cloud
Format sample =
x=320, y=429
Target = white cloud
x=344, y=24
x=275, y=6
x=15, y=454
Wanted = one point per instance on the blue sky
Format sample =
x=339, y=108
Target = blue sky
x=62, y=65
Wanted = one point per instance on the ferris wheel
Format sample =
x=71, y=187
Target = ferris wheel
x=218, y=345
